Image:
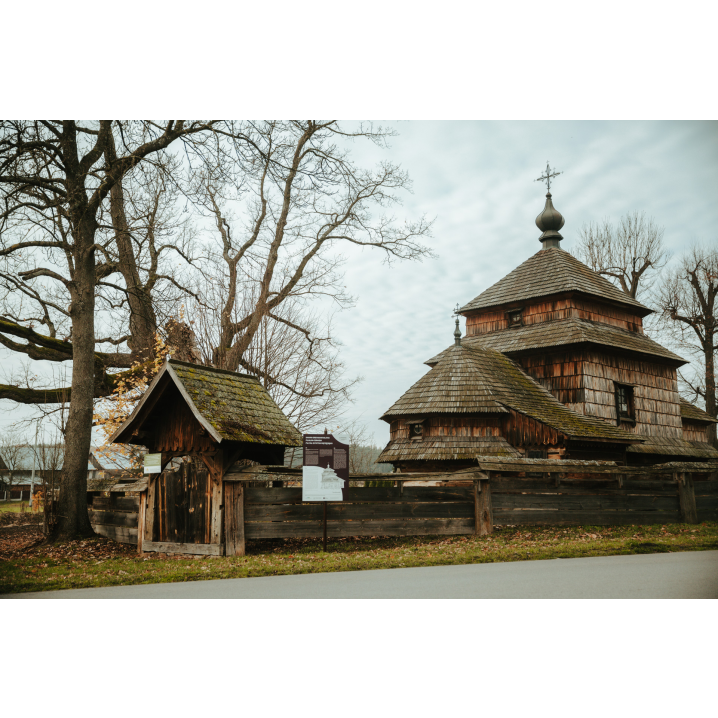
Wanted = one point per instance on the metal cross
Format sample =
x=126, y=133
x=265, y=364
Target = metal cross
x=547, y=177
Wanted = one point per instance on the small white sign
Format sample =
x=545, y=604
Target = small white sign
x=320, y=484
x=153, y=463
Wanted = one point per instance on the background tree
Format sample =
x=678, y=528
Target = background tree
x=55, y=182
x=686, y=299
x=281, y=228
x=630, y=254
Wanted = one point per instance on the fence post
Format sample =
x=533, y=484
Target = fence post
x=483, y=512
x=149, y=516
x=687, y=498
x=141, y=521
x=234, y=540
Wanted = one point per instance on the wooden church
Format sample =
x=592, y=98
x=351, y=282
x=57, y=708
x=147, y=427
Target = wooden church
x=555, y=364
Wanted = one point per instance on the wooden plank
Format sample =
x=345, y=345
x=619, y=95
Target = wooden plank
x=705, y=488
x=354, y=512
x=484, y=522
x=608, y=487
x=121, y=534
x=687, y=498
x=584, y=518
x=204, y=549
x=141, y=522
x=410, y=494
x=706, y=503
x=234, y=540
x=149, y=533
x=313, y=529
x=216, y=504
x=113, y=518
x=505, y=502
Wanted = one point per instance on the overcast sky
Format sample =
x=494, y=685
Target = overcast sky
x=477, y=180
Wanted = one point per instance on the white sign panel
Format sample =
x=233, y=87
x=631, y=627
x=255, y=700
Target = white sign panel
x=153, y=463
x=320, y=484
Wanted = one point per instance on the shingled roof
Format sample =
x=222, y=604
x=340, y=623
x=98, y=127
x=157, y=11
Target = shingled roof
x=664, y=446
x=564, y=332
x=231, y=406
x=551, y=271
x=690, y=412
x=446, y=448
x=473, y=380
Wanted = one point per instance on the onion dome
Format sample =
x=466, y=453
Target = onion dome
x=457, y=333
x=549, y=222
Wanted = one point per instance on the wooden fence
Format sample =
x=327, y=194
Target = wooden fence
x=114, y=507
x=186, y=511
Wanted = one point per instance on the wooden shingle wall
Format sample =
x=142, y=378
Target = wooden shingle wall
x=694, y=431
x=537, y=312
x=446, y=425
x=585, y=382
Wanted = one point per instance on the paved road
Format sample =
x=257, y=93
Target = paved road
x=671, y=575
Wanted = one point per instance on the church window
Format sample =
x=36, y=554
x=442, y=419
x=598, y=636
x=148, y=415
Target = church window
x=624, y=403
x=416, y=431
x=515, y=318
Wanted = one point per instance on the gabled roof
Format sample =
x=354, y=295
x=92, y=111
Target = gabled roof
x=564, y=332
x=690, y=412
x=552, y=271
x=230, y=406
x=473, y=380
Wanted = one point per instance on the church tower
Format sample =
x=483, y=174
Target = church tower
x=555, y=363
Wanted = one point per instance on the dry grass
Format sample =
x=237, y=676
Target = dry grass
x=100, y=562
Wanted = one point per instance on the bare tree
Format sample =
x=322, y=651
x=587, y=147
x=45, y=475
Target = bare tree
x=298, y=206
x=12, y=448
x=689, y=311
x=630, y=254
x=55, y=179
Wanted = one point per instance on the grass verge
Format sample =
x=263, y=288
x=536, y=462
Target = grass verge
x=100, y=562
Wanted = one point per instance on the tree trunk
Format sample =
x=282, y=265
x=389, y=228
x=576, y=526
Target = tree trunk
x=143, y=322
x=73, y=521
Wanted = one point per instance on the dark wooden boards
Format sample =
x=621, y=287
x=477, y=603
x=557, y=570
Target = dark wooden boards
x=584, y=518
x=409, y=494
x=313, y=529
x=234, y=538
x=505, y=502
x=122, y=534
x=114, y=518
x=351, y=511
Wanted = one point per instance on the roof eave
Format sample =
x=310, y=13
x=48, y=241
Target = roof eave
x=638, y=309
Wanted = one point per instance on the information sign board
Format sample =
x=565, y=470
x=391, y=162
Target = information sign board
x=325, y=468
x=153, y=463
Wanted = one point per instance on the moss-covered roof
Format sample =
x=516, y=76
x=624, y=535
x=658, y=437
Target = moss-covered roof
x=237, y=406
x=551, y=271
x=663, y=446
x=230, y=406
x=690, y=412
x=473, y=380
x=443, y=448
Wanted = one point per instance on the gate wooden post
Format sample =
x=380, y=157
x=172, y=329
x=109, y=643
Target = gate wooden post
x=234, y=540
x=687, y=498
x=483, y=512
x=149, y=512
x=141, y=521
